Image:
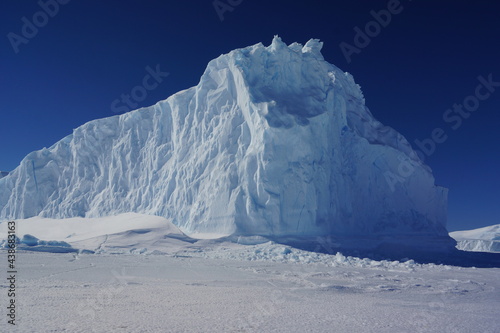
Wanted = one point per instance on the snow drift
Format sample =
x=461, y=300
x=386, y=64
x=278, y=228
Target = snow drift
x=485, y=239
x=273, y=141
x=123, y=233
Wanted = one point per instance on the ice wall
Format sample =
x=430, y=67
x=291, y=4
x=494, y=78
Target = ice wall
x=272, y=141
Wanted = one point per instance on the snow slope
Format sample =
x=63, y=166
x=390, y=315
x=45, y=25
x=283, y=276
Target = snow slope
x=124, y=233
x=273, y=141
x=3, y=174
x=485, y=239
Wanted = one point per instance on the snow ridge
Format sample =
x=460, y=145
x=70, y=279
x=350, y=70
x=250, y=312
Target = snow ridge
x=273, y=141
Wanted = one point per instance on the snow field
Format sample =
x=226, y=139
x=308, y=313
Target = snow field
x=183, y=293
x=147, y=276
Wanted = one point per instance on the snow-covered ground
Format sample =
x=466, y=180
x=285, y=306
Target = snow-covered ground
x=147, y=276
x=190, y=292
x=485, y=239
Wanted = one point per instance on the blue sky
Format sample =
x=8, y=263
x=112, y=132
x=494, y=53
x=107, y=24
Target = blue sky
x=86, y=54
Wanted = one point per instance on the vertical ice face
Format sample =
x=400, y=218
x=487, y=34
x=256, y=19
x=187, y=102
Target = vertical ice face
x=272, y=141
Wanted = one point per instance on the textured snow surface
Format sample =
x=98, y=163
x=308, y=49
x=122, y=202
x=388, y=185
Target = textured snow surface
x=273, y=141
x=164, y=281
x=485, y=239
x=183, y=293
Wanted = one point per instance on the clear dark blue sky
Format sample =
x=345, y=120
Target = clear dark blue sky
x=425, y=60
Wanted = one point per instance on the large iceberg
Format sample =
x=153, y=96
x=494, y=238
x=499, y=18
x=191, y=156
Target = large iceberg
x=273, y=141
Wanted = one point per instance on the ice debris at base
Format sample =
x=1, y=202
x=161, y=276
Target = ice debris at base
x=485, y=239
x=285, y=254
x=273, y=141
x=136, y=234
x=31, y=243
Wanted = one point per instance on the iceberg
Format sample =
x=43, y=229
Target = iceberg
x=486, y=239
x=274, y=141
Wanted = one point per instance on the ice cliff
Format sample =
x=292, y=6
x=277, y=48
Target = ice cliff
x=273, y=141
